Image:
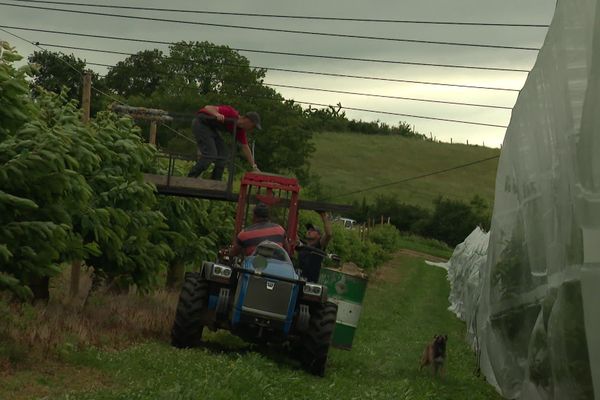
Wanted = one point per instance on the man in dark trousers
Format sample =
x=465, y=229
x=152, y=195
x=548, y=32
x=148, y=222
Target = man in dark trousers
x=206, y=126
x=260, y=230
x=310, y=261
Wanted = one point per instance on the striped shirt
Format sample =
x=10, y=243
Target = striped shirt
x=253, y=235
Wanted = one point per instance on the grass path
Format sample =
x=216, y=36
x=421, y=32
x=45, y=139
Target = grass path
x=405, y=306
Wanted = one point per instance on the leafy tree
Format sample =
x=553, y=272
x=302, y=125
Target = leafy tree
x=206, y=68
x=194, y=74
x=38, y=186
x=193, y=234
x=452, y=221
x=138, y=75
x=15, y=104
x=71, y=191
x=124, y=222
x=57, y=72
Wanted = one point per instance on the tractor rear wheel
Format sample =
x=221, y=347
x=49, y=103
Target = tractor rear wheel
x=187, y=328
x=316, y=341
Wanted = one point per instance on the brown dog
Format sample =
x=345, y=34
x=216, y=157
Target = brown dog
x=435, y=354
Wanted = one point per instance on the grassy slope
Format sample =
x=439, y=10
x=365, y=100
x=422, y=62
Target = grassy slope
x=348, y=162
x=405, y=305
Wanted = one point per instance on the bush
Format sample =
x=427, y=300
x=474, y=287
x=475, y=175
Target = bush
x=450, y=221
x=386, y=236
x=351, y=246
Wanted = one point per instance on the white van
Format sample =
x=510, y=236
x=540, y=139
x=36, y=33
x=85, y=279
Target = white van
x=346, y=222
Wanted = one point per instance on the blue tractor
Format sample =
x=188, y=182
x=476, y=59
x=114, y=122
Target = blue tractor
x=261, y=298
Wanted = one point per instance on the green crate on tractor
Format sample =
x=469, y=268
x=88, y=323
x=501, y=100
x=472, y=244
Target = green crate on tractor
x=347, y=291
x=261, y=298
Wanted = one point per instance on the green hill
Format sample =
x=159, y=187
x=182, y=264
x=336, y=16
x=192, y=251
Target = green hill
x=347, y=162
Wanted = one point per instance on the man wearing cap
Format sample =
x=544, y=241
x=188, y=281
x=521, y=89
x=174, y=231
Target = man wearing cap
x=210, y=120
x=309, y=261
x=260, y=230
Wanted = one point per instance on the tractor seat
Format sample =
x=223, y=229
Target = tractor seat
x=272, y=250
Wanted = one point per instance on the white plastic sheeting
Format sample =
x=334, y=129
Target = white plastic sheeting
x=535, y=302
x=463, y=273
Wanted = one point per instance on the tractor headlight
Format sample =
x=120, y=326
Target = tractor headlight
x=221, y=272
x=314, y=290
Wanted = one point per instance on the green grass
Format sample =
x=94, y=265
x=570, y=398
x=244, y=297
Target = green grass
x=427, y=246
x=347, y=162
x=406, y=304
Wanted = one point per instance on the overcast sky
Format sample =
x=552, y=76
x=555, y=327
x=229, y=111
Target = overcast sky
x=505, y=11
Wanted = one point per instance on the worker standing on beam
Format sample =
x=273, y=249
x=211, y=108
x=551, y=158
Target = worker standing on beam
x=206, y=126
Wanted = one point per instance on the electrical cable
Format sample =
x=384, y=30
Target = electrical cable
x=256, y=28
x=308, y=55
x=285, y=16
x=346, y=108
x=412, y=178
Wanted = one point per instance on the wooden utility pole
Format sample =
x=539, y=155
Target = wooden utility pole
x=86, y=101
x=153, y=133
x=86, y=97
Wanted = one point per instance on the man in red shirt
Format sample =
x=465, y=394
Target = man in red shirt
x=206, y=126
x=260, y=230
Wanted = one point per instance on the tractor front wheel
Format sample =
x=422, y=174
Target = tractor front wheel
x=193, y=300
x=316, y=341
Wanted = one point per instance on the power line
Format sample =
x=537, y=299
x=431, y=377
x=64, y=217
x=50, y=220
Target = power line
x=350, y=76
x=93, y=87
x=346, y=108
x=342, y=195
x=256, y=28
x=456, y=121
x=36, y=45
x=413, y=178
x=456, y=103
x=492, y=106
x=283, y=53
x=308, y=17
x=464, y=86
x=309, y=103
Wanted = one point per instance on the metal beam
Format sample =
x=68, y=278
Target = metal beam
x=233, y=198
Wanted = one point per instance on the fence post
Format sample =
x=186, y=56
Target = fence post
x=86, y=99
x=153, y=133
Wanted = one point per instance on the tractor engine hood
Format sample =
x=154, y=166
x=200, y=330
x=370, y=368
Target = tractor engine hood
x=260, y=264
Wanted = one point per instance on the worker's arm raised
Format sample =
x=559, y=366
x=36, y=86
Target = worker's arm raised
x=327, y=228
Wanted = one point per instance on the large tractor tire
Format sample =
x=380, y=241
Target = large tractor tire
x=316, y=341
x=193, y=300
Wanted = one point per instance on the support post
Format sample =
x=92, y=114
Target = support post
x=86, y=100
x=153, y=133
x=86, y=97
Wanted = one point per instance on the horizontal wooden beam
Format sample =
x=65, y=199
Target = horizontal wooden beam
x=321, y=206
x=182, y=182
x=150, y=114
x=216, y=190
